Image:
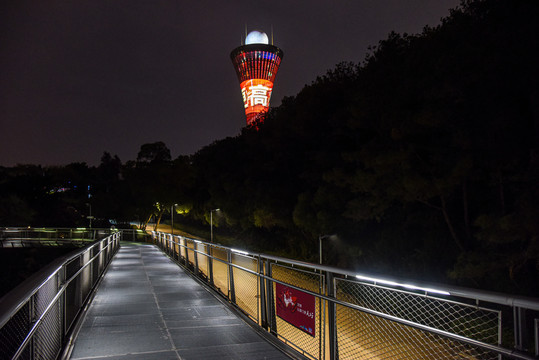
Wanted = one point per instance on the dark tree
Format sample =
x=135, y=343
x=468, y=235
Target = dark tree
x=156, y=152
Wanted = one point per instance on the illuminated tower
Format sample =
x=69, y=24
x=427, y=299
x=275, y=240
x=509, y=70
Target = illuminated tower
x=256, y=64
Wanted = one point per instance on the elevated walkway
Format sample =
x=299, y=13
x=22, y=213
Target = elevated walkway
x=148, y=308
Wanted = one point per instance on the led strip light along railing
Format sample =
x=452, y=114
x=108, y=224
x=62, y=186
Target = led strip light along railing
x=406, y=286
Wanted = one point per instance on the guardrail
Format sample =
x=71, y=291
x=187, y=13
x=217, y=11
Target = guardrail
x=35, y=237
x=38, y=317
x=135, y=235
x=329, y=313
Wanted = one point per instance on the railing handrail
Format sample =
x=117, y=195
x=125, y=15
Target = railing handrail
x=463, y=292
x=11, y=302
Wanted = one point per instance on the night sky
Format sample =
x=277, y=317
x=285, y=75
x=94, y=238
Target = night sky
x=81, y=77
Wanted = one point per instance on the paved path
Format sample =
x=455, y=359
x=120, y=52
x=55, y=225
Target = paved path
x=148, y=308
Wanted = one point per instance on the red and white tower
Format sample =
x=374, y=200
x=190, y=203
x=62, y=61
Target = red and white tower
x=256, y=65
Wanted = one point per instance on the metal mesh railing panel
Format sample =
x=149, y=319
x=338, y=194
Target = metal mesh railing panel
x=203, y=259
x=220, y=270
x=86, y=276
x=365, y=336
x=45, y=295
x=246, y=285
x=72, y=267
x=105, y=253
x=13, y=333
x=311, y=346
x=95, y=271
x=170, y=241
x=190, y=253
x=183, y=252
x=470, y=321
x=100, y=258
x=177, y=251
x=72, y=302
x=48, y=338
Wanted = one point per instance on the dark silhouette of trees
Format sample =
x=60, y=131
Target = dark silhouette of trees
x=153, y=153
x=423, y=158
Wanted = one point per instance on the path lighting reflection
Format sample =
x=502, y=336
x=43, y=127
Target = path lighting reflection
x=211, y=223
x=407, y=286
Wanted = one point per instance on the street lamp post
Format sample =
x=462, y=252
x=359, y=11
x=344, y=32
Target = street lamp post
x=211, y=224
x=172, y=218
x=330, y=293
x=90, y=217
x=320, y=238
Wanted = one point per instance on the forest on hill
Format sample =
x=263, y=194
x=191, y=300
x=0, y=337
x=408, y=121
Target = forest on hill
x=423, y=160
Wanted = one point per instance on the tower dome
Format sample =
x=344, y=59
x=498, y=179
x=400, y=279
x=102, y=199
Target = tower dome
x=256, y=37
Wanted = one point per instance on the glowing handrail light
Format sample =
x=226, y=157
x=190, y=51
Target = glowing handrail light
x=241, y=252
x=407, y=286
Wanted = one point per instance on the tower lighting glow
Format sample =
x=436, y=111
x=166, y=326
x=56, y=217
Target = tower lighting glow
x=256, y=64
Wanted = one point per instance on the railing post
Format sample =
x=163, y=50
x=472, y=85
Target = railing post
x=62, y=278
x=536, y=336
x=164, y=243
x=232, y=292
x=32, y=314
x=195, y=254
x=210, y=263
x=262, y=295
x=519, y=318
x=332, y=333
x=270, y=314
x=185, y=249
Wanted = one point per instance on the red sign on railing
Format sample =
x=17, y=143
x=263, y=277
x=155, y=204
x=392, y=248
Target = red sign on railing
x=296, y=307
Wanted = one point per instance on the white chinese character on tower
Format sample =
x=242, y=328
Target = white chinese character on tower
x=256, y=95
x=244, y=95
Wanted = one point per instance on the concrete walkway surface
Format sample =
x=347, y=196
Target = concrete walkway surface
x=148, y=308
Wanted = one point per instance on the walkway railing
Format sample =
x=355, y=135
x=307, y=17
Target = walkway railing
x=35, y=237
x=38, y=317
x=330, y=313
